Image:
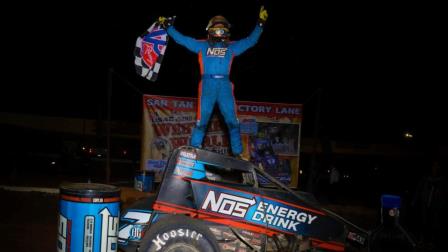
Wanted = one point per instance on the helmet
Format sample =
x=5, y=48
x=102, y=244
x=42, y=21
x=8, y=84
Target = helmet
x=218, y=28
x=218, y=20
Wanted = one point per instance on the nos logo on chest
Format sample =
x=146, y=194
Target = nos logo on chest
x=216, y=52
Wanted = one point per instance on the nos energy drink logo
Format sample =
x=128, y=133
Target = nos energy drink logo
x=227, y=204
x=268, y=212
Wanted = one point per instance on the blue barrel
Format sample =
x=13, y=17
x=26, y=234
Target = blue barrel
x=144, y=181
x=390, y=201
x=88, y=217
x=390, y=209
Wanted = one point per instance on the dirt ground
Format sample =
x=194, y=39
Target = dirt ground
x=28, y=221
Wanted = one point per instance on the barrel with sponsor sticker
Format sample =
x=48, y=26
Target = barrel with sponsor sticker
x=144, y=181
x=88, y=218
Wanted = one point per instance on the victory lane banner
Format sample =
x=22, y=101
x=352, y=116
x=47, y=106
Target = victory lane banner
x=270, y=134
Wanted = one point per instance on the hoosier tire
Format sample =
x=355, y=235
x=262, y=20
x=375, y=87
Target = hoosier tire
x=178, y=234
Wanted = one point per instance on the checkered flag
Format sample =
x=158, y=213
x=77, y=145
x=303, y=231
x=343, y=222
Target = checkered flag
x=149, y=50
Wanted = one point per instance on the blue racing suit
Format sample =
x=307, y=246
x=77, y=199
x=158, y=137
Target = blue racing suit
x=215, y=61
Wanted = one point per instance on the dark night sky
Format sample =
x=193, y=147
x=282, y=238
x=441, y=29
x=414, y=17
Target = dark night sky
x=378, y=63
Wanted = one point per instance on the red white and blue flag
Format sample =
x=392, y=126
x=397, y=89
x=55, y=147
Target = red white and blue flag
x=149, y=50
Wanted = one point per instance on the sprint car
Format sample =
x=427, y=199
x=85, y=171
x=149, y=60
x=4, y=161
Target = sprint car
x=211, y=202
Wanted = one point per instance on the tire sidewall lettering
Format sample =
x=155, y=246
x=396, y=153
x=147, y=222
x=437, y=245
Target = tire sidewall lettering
x=164, y=238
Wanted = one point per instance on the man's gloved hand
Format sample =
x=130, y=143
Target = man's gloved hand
x=263, y=16
x=166, y=22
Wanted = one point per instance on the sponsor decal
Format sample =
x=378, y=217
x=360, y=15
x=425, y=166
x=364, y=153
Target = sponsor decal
x=88, y=227
x=185, y=162
x=187, y=166
x=188, y=154
x=136, y=233
x=64, y=233
x=133, y=230
x=109, y=231
x=227, y=204
x=89, y=232
x=180, y=171
x=184, y=166
x=274, y=214
x=97, y=200
x=162, y=239
x=281, y=217
x=216, y=52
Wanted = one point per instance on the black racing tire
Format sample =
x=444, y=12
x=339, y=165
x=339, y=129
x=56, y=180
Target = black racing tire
x=177, y=233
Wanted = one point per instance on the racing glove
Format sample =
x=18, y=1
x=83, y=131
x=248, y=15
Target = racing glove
x=263, y=16
x=166, y=22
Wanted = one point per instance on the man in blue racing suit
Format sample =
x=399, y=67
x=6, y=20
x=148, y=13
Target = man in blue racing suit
x=215, y=59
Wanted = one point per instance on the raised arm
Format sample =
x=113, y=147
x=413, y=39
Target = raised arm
x=238, y=47
x=188, y=42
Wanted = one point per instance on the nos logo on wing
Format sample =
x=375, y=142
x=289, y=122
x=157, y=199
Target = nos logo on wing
x=227, y=204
